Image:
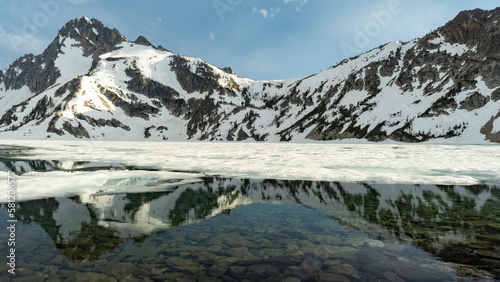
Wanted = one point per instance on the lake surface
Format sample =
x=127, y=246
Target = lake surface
x=110, y=213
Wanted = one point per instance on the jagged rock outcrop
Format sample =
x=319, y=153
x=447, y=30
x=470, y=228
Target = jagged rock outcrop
x=141, y=40
x=35, y=72
x=92, y=36
x=228, y=70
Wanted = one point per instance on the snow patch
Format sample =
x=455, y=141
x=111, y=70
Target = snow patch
x=452, y=49
x=353, y=98
x=13, y=97
x=71, y=62
x=85, y=18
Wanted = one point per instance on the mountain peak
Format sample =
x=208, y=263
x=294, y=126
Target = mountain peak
x=81, y=24
x=141, y=40
x=92, y=34
x=228, y=70
x=474, y=28
x=81, y=18
x=464, y=27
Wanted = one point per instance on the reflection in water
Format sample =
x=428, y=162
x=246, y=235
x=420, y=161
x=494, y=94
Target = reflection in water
x=20, y=166
x=73, y=227
x=354, y=231
x=13, y=151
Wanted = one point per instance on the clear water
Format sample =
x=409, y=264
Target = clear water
x=235, y=229
x=143, y=223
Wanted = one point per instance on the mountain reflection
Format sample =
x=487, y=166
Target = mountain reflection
x=77, y=239
x=459, y=224
x=20, y=166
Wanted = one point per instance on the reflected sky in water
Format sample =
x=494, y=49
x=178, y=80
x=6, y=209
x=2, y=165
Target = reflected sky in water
x=301, y=229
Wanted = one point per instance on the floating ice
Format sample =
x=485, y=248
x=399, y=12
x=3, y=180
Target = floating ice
x=187, y=161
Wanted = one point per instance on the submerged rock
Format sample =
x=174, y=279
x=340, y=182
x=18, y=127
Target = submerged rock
x=240, y=242
x=328, y=277
x=120, y=270
x=237, y=271
x=261, y=271
x=286, y=259
x=85, y=277
x=218, y=269
x=345, y=269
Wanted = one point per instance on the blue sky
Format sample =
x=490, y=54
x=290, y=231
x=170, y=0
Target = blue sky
x=261, y=39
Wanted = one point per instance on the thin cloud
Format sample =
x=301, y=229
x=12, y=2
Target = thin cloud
x=267, y=13
x=158, y=20
x=264, y=13
x=17, y=43
x=212, y=36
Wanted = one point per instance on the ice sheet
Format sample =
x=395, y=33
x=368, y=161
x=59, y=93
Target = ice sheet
x=381, y=163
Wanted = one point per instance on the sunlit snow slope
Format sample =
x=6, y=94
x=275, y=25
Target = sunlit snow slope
x=93, y=83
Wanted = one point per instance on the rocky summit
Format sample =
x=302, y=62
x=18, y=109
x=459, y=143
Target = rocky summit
x=93, y=83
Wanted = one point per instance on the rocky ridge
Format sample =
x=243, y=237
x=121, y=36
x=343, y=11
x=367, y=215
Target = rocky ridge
x=93, y=83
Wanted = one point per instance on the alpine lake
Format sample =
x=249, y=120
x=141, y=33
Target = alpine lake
x=240, y=229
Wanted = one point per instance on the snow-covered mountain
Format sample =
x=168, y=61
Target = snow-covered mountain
x=93, y=83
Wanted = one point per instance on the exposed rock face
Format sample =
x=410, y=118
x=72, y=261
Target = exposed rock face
x=153, y=89
x=93, y=36
x=495, y=95
x=203, y=79
x=465, y=28
x=487, y=130
x=434, y=87
x=77, y=131
x=476, y=29
x=35, y=72
x=474, y=101
x=103, y=122
x=141, y=40
x=228, y=70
